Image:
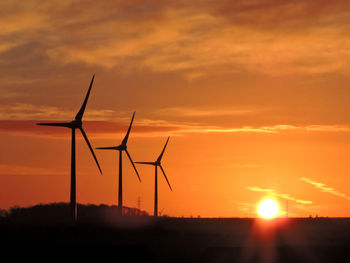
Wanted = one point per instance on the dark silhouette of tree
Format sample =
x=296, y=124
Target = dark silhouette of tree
x=61, y=213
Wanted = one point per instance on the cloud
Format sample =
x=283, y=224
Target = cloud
x=199, y=112
x=98, y=129
x=269, y=129
x=324, y=188
x=330, y=128
x=99, y=125
x=8, y=169
x=258, y=189
x=25, y=111
x=200, y=40
x=280, y=195
x=109, y=129
x=20, y=119
x=271, y=37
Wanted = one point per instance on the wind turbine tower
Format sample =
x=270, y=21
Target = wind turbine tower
x=73, y=125
x=157, y=164
x=122, y=147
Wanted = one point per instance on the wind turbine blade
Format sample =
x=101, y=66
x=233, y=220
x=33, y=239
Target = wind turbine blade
x=161, y=154
x=80, y=113
x=165, y=177
x=125, y=140
x=127, y=153
x=57, y=124
x=106, y=148
x=91, y=150
x=150, y=163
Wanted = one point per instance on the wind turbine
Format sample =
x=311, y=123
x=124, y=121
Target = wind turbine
x=156, y=164
x=73, y=125
x=122, y=147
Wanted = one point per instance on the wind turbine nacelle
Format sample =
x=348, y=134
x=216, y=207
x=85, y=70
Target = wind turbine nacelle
x=123, y=146
x=76, y=124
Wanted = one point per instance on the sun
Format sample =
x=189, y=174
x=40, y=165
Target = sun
x=268, y=208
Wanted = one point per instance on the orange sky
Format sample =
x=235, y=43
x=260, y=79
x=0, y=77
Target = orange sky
x=254, y=95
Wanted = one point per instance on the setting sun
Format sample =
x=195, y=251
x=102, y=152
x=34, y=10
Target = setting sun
x=268, y=208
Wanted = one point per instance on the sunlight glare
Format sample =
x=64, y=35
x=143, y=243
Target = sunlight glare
x=268, y=208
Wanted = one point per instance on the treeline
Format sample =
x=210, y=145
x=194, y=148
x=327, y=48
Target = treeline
x=61, y=212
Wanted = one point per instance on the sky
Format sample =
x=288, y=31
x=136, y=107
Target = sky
x=253, y=94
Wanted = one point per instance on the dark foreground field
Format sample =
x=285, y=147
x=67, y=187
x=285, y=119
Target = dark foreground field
x=102, y=236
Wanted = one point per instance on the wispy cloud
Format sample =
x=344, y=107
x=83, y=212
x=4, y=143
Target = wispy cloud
x=269, y=129
x=258, y=189
x=8, y=169
x=20, y=118
x=26, y=111
x=330, y=128
x=101, y=128
x=324, y=188
x=97, y=129
x=110, y=129
x=198, y=112
x=273, y=192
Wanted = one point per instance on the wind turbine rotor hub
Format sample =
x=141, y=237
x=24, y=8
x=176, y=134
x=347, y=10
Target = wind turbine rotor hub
x=76, y=124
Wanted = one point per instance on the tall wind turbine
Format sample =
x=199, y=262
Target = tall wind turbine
x=156, y=164
x=122, y=147
x=73, y=125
